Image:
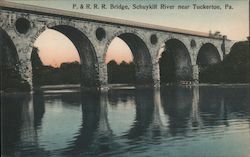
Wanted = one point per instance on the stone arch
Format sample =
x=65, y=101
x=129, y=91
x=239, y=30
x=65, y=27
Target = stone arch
x=89, y=63
x=9, y=64
x=175, y=62
x=208, y=54
x=141, y=55
x=185, y=43
x=8, y=50
x=231, y=46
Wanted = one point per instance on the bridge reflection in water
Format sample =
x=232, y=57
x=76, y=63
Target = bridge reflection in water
x=122, y=122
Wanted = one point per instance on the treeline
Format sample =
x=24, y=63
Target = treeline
x=67, y=73
x=235, y=68
x=121, y=73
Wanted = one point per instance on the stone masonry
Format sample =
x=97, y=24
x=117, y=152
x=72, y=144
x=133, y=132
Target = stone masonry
x=24, y=24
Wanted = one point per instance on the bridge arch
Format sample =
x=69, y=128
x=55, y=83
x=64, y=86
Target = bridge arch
x=10, y=64
x=233, y=45
x=208, y=54
x=175, y=62
x=9, y=55
x=141, y=55
x=86, y=50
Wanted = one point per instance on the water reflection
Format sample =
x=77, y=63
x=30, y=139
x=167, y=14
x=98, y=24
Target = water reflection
x=95, y=133
x=144, y=111
x=141, y=121
x=11, y=117
x=121, y=110
x=177, y=104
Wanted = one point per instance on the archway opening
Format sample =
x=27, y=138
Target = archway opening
x=208, y=55
x=67, y=57
x=9, y=64
x=120, y=65
x=129, y=48
x=175, y=63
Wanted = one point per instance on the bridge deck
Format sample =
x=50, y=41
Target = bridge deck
x=58, y=12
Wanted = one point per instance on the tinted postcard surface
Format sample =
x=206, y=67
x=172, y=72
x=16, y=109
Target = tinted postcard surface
x=125, y=78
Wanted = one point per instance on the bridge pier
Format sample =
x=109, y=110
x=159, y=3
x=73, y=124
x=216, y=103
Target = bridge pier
x=103, y=75
x=23, y=51
x=156, y=74
x=26, y=72
x=195, y=75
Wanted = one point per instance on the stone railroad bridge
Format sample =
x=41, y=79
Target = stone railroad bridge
x=92, y=35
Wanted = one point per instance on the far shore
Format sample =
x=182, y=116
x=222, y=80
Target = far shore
x=121, y=86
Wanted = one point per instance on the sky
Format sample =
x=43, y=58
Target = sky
x=55, y=48
x=231, y=22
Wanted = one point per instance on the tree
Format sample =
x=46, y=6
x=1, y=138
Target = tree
x=234, y=68
x=35, y=59
x=37, y=67
x=121, y=73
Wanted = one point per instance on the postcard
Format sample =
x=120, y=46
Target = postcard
x=125, y=78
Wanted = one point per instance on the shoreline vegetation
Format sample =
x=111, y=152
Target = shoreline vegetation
x=234, y=69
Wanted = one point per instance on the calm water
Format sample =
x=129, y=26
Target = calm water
x=205, y=121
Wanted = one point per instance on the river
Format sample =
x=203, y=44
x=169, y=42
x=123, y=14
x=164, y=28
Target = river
x=207, y=121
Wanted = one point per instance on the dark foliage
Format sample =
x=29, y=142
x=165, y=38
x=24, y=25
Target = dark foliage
x=37, y=66
x=235, y=68
x=67, y=73
x=121, y=73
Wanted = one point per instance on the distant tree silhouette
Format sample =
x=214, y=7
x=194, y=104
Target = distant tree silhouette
x=36, y=61
x=37, y=67
x=121, y=73
x=67, y=73
x=70, y=72
x=112, y=71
